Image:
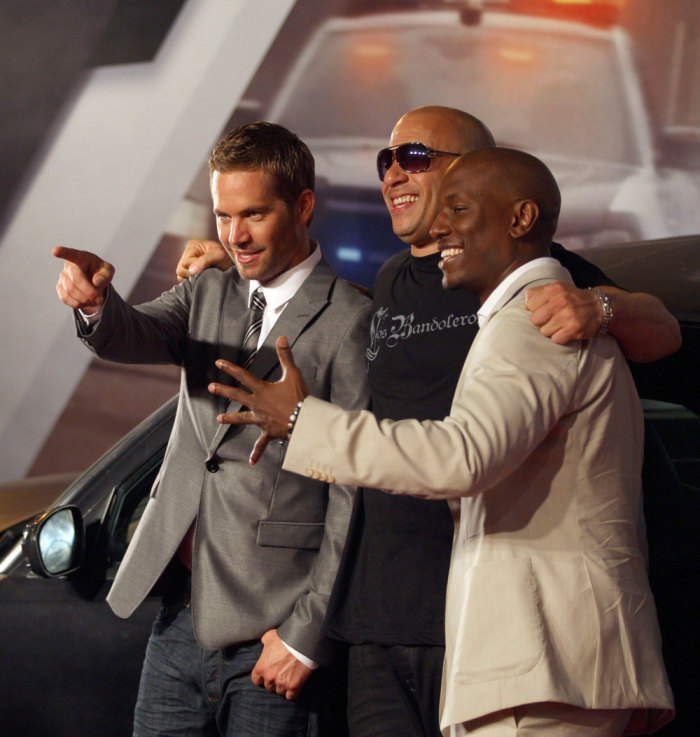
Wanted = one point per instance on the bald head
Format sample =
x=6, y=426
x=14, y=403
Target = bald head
x=462, y=131
x=499, y=210
x=518, y=176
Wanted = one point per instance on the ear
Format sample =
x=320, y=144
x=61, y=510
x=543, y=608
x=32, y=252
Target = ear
x=524, y=217
x=304, y=207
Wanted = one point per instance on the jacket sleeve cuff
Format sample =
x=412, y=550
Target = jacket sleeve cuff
x=312, y=664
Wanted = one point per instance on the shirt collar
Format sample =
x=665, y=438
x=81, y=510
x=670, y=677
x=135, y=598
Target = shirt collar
x=281, y=289
x=486, y=309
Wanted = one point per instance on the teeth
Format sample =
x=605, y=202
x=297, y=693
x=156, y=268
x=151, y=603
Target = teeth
x=447, y=252
x=405, y=199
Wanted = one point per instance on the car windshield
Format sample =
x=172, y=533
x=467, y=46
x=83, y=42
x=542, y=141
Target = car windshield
x=555, y=93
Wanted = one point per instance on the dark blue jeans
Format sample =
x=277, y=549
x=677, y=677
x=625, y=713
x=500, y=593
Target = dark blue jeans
x=394, y=690
x=186, y=691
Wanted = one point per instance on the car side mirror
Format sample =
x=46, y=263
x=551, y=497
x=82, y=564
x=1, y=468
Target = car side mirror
x=54, y=544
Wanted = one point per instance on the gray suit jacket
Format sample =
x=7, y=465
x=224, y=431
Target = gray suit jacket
x=548, y=598
x=267, y=543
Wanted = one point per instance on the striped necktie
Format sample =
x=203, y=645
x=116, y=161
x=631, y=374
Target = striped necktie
x=249, y=345
x=248, y=350
x=252, y=334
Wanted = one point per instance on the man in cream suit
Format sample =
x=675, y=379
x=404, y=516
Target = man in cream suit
x=262, y=544
x=550, y=623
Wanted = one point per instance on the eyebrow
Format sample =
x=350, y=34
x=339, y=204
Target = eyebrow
x=453, y=196
x=245, y=211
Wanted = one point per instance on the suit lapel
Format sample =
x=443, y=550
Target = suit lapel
x=545, y=273
x=310, y=299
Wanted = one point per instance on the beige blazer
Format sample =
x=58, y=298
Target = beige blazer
x=548, y=597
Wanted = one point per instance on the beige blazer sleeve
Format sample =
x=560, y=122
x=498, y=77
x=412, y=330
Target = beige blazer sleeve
x=547, y=598
x=506, y=402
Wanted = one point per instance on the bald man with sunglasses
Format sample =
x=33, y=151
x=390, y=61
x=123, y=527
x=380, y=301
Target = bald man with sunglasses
x=389, y=596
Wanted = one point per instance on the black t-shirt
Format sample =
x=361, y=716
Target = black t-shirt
x=391, y=584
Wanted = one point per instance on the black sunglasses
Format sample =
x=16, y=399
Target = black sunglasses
x=411, y=157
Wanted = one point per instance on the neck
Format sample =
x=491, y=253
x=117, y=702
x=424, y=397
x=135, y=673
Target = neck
x=305, y=249
x=426, y=250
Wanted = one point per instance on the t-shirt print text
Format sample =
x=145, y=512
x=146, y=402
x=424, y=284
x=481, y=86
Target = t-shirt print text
x=387, y=330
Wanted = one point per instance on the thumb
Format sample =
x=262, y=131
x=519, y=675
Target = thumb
x=284, y=353
x=103, y=276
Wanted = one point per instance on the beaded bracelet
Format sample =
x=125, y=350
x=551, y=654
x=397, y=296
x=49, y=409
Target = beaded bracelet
x=606, y=306
x=293, y=419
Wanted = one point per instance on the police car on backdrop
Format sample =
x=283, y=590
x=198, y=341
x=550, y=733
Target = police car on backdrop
x=567, y=90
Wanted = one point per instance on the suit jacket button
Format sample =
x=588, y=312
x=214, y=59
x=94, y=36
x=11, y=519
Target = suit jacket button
x=212, y=465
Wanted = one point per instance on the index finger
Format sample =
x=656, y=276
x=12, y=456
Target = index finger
x=215, y=255
x=195, y=265
x=95, y=269
x=68, y=254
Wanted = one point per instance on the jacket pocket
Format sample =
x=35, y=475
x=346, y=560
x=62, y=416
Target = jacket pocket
x=290, y=534
x=494, y=615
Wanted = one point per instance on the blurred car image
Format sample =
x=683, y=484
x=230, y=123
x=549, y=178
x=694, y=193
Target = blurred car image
x=563, y=90
x=70, y=667
x=21, y=501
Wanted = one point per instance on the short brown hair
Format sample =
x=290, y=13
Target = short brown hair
x=270, y=147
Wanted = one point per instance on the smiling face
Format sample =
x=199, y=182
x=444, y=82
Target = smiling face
x=498, y=210
x=474, y=228
x=262, y=234
x=412, y=199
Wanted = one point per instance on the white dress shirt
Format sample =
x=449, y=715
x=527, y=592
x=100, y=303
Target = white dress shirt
x=280, y=290
x=492, y=300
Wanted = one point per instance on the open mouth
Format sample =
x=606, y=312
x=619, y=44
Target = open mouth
x=246, y=257
x=448, y=253
x=404, y=199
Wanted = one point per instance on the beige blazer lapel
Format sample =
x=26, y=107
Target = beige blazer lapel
x=531, y=278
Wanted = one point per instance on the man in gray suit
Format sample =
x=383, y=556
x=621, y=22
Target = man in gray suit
x=251, y=552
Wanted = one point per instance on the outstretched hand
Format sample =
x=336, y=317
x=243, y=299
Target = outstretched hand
x=200, y=254
x=270, y=403
x=84, y=279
